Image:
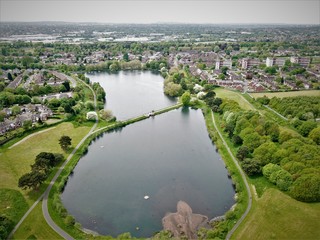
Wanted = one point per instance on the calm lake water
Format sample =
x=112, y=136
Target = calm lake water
x=169, y=158
x=132, y=93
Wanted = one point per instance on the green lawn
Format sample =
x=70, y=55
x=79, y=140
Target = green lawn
x=16, y=161
x=36, y=227
x=277, y=216
x=228, y=94
x=287, y=94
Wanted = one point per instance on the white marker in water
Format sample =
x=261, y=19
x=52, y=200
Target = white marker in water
x=146, y=197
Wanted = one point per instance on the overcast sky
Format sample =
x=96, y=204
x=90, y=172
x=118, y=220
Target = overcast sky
x=155, y=11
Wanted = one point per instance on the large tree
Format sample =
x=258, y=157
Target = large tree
x=32, y=180
x=185, y=98
x=65, y=142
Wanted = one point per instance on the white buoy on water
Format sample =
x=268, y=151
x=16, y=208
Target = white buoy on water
x=146, y=197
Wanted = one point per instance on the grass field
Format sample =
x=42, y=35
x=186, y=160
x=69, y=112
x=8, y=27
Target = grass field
x=287, y=94
x=224, y=93
x=36, y=227
x=12, y=204
x=278, y=216
x=16, y=161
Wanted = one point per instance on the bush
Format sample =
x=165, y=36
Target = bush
x=69, y=221
x=306, y=188
x=270, y=168
x=251, y=166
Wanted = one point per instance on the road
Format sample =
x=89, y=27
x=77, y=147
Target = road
x=243, y=177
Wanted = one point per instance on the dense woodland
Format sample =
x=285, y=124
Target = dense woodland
x=285, y=158
x=302, y=111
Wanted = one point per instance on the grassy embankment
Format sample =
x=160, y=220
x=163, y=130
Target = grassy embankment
x=16, y=161
x=274, y=215
x=242, y=196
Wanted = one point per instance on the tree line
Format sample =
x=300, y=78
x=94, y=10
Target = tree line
x=285, y=158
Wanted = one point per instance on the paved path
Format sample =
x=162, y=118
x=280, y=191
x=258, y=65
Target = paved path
x=45, y=195
x=283, y=117
x=45, y=210
x=243, y=177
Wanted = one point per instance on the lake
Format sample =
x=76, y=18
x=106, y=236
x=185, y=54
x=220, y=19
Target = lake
x=168, y=158
x=132, y=93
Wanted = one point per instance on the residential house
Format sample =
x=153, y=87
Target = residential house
x=247, y=63
x=303, y=61
x=275, y=61
x=223, y=63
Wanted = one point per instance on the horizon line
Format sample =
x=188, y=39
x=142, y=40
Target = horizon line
x=151, y=23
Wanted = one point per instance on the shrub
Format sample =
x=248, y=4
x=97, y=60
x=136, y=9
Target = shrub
x=306, y=188
x=268, y=169
x=69, y=220
x=251, y=166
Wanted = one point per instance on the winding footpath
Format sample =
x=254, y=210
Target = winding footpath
x=45, y=209
x=243, y=177
x=44, y=197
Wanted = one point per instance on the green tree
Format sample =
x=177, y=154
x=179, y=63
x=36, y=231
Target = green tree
x=251, y=166
x=222, y=76
x=16, y=110
x=185, y=98
x=224, y=70
x=54, y=103
x=89, y=105
x=69, y=220
x=282, y=179
x=306, y=127
x=315, y=135
x=265, y=153
x=106, y=114
x=2, y=86
x=172, y=89
x=114, y=67
x=126, y=57
x=270, y=168
x=251, y=140
x=242, y=153
x=5, y=224
x=26, y=61
x=65, y=142
x=6, y=99
x=271, y=70
x=2, y=116
x=306, y=188
x=27, y=124
x=32, y=180
x=66, y=84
